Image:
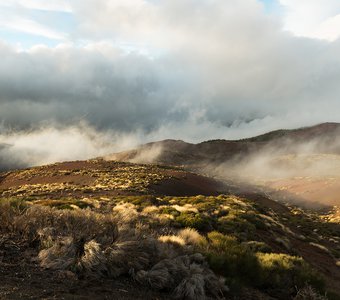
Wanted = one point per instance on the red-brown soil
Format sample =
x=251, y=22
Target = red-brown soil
x=84, y=178
x=188, y=184
x=308, y=190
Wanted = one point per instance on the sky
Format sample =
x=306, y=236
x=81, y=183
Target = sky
x=98, y=76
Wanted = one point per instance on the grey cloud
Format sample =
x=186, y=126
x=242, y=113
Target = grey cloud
x=215, y=69
x=67, y=84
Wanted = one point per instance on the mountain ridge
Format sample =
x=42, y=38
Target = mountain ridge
x=178, y=152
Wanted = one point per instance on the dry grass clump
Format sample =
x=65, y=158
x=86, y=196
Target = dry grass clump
x=83, y=223
x=185, y=237
x=91, y=244
x=185, y=208
x=187, y=277
x=10, y=209
x=126, y=252
x=61, y=255
x=150, y=210
x=157, y=242
x=159, y=221
x=172, y=239
x=191, y=236
x=127, y=256
x=146, y=259
x=125, y=213
x=308, y=293
x=92, y=259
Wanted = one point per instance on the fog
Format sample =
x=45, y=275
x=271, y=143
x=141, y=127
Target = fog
x=297, y=172
x=138, y=71
x=49, y=144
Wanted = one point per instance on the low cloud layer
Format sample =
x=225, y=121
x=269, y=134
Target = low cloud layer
x=55, y=143
x=183, y=69
x=294, y=171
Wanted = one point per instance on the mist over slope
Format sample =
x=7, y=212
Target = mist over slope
x=163, y=227
x=156, y=232
x=302, y=163
x=322, y=138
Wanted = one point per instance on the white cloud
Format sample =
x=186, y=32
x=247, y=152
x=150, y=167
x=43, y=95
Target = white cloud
x=18, y=17
x=329, y=29
x=50, y=5
x=50, y=144
x=32, y=27
x=170, y=23
x=313, y=18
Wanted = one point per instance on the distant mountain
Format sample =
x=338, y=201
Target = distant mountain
x=306, y=133
x=298, y=166
x=176, y=152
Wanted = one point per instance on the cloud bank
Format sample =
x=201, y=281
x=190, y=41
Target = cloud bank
x=183, y=69
x=314, y=18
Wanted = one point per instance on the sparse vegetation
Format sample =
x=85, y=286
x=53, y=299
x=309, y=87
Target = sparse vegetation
x=192, y=247
x=127, y=238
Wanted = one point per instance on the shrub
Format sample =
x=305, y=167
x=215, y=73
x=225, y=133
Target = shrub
x=255, y=246
x=191, y=237
x=141, y=201
x=64, y=204
x=255, y=220
x=172, y=239
x=278, y=274
x=195, y=220
x=231, y=259
x=73, y=223
x=169, y=211
x=308, y=293
x=281, y=273
x=233, y=223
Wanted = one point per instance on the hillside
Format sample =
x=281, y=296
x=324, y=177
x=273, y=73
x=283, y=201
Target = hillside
x=175, y=152
x=301, y=134
x=298, y=166
x=99, y=177
x=118, y=230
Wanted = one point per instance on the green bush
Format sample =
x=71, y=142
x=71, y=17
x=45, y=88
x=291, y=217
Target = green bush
x=64, y=203
x=231, y=259
x=242, y=263
x=282, y=274
x=233, y=223
x=169, y=210
x=195, y=220
x=254, y=219
x=255, y=246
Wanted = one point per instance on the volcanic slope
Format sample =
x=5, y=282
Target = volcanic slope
x=299, y=166
x=99, y=177
x=112, y=230
x=176, y=152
